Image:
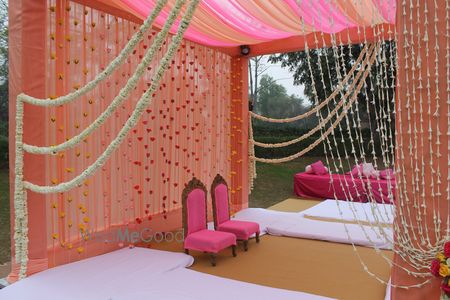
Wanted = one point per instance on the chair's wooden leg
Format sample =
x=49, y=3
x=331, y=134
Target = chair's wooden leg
x=213, y=259
x=233, y=250
x=186, y=251
x=245, y=245
x=257, y=237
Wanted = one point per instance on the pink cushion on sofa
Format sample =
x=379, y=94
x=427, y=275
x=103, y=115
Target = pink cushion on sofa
x=364, y=170
x=209, y=240
x=319, y=168
x=196, y=211
x=221, y=194
x=387, y=174
x=357, y=171
x=241, y=229
x=309, y=170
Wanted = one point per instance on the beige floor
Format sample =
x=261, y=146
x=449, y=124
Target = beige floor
x=316, y=267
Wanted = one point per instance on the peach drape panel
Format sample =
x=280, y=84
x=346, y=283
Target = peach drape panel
x=239, y=134
x=27, y=25
x=408, y=95
x=184, y=133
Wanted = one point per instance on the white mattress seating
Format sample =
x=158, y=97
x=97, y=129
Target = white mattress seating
x=333, y=232
x=99, y=277
x=264, y=217
x=138, y=273
x=352, y=212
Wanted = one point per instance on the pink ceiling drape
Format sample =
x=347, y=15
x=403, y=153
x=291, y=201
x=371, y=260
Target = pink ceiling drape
x=235, y=22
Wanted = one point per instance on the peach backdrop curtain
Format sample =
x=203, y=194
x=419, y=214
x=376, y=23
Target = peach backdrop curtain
x=184, y=133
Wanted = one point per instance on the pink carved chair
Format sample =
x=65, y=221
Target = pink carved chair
x=197, y=236
x=243, y=230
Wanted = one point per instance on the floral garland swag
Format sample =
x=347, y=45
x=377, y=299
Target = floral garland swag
x=20, y=186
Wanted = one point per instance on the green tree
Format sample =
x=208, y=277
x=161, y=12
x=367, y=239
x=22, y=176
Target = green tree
x=328, y=63
x=273, y=101
x=270, y=95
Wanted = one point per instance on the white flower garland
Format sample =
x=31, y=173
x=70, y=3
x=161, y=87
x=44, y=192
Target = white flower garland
x=20, y=203
x=251, y=154
x=322, y=123
x=325, y=134
x=21, y=218
x=338, y=89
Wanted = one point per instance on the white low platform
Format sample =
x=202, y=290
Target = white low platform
x=138, y=273
x=332, y=210
x=333, y=232
x=97, y=278
x=264, y=217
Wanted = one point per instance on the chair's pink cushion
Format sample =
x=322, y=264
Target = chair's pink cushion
x=209, y=241
x=241, y=229
x=221, y=193
x=196, y=211
x=318, y=168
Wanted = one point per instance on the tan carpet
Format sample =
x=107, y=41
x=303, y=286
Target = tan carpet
x=316, y=267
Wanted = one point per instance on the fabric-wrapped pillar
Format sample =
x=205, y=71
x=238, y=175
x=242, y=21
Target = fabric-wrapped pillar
x=27, y=69
x=413, y=79
x=239, y=133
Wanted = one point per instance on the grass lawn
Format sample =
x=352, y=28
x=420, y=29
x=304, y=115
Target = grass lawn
x=275, y=182
x=5, y=240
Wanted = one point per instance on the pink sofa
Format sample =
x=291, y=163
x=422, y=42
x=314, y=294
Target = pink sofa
x=343, y=187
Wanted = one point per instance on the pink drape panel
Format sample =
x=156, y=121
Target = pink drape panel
x=184, y=133
x=236, y=22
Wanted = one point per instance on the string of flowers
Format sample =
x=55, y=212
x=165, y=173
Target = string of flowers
x=21, y=231
x=123, y=95
x=326, y=133
x=20, y=203
x=338, y=90
x=115, y=63
x=251, y=154
x=330, y=115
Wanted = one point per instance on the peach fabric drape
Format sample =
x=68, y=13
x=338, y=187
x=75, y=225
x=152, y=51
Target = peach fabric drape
x=27, y=66
x=184, y=133
x=408, y=93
